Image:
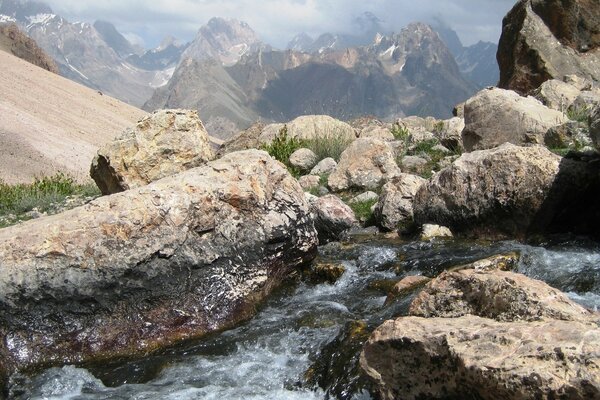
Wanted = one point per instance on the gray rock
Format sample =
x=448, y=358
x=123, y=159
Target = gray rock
x=395, y=205
x=548, y=39
x=587, y=100
x=332, y=217
x=556, y=94
x=365, y=165
x=495, y=116
x=413, y=163
x=324, y=167
x=364, y=197
x=309, y=181
x=303, y=159
x=136, y=271
x=533, y=191
x=451, y=136
x=570, y=134
x=162, y=144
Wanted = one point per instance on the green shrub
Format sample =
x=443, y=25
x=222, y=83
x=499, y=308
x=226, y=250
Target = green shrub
x=579, y=114
x=43, y=194
x=362, y=210
x=282, y=147
x=329, y=145
x=400, y=132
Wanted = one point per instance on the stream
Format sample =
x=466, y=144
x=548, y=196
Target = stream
x=305, y=340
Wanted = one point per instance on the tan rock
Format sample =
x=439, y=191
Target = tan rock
x=303, y=159
x=332, y=217
x=309, y=181
x=165, y=143
x=499, y=295
x=406, y=285
x=395, y=205
x=556, y=94
x=310, y=127
x=430, y=231
x=471, y=357
x=365, y=165
x=130, y=273
x=495, y=116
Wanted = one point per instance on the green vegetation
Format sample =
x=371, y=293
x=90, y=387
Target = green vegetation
x=400, y=132
x=426, y=150
x=330, y=145
x=44, y=194
x=579, y=114
x=362, y=211
x=282, y=147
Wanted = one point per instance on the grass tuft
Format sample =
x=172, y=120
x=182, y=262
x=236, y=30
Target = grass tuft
x=282, y=147
x=44, y=194
x=362, y=210
x=329, y=145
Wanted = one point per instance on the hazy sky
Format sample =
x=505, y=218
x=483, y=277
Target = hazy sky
x=277, y=21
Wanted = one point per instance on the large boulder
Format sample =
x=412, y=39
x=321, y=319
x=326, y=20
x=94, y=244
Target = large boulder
x=543, y=39
x=395, y=206
x=499, y=295
x=487, y=334
x=495, y=116
x=308, y=127
x=164, y=143
x=130, y=273
x=511, y=191
x=365, y=165
x=478, y=358
x=244, y=140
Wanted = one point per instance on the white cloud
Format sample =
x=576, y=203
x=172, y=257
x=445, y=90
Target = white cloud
x=277, y=21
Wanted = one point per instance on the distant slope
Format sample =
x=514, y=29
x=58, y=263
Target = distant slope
x=16, y=42
x=49, y=123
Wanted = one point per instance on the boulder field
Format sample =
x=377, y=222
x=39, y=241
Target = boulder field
x=136, y=271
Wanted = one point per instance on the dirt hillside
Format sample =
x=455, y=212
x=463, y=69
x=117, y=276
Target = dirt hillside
x=14, y=41
x=50, y=124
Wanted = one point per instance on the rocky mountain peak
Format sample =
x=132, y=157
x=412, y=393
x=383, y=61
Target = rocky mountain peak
x=224, y=39
x=114, y=39
x=300, y=42
x=22, y=10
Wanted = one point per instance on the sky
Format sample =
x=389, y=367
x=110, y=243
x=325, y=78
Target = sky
x=278, y=21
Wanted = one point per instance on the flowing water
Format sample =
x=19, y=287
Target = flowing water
x=308, y=327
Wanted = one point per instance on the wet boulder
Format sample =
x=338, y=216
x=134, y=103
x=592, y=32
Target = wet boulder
x=365, y=165
x=549, y=39
x=511, y=191
x=131, y=273
x=495, y=116
x=162, y=144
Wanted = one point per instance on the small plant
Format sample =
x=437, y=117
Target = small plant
x=439, y=127
x=579, y=114
x=400, y=132
x=328, y=145
x=362, y=210
x=282, y=147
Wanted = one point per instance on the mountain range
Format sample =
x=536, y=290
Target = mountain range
x=234, y=79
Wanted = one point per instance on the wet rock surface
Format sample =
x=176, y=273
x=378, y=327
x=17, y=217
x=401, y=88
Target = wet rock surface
x=395, y=205
x=133, y=272
x=332, y=217
x=164, y=143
